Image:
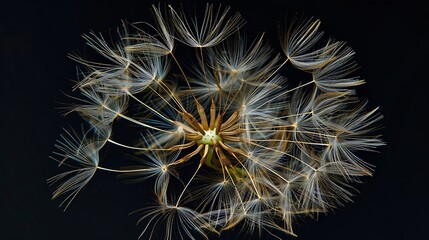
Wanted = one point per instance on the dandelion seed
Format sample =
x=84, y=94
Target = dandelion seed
x=81, y=154
x=235, y=57
x=168, y=222
x=226, y=143
x=99, y=108
x=150, y=45
x=212, y=29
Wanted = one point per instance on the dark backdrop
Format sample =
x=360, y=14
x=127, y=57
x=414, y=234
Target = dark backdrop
x=391, y=42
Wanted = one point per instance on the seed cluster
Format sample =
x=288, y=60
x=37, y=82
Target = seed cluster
x=260, y=150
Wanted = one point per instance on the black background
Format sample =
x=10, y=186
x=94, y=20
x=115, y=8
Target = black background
x=391, y=42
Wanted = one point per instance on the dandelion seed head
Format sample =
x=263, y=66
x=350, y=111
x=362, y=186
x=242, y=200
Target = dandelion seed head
x=225, y=139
